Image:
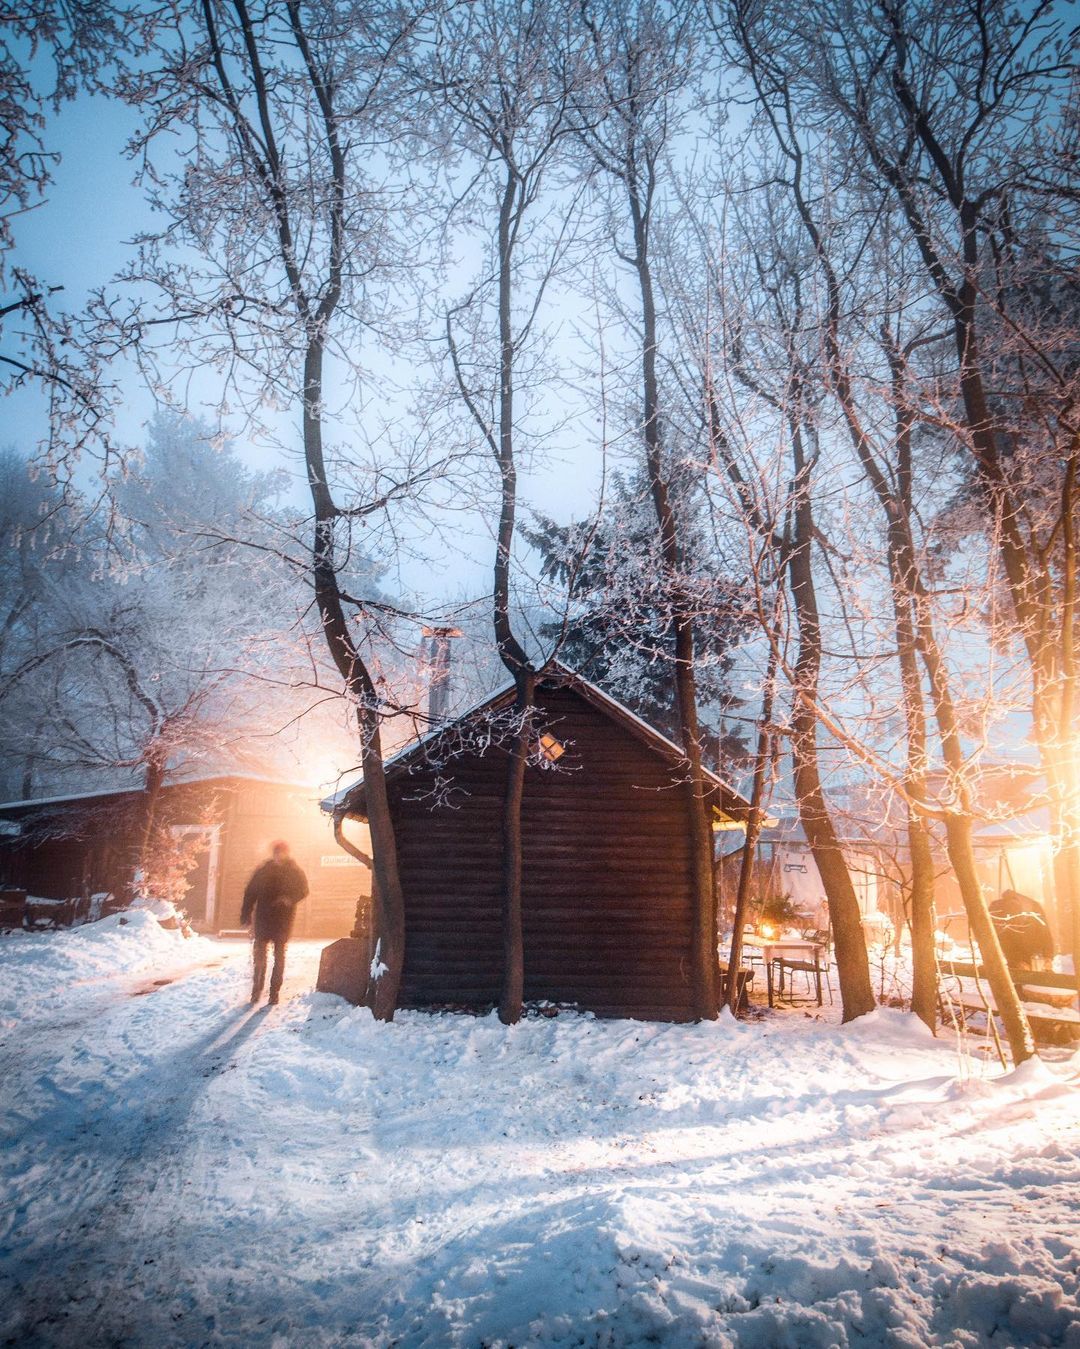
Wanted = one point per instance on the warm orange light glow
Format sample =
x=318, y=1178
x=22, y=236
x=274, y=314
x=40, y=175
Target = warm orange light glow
x=550, y=748
x=767, y=931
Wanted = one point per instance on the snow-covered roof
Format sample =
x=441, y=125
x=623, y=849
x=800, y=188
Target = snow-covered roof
x=1027, y=828
x=184, y=781
x=649, y=735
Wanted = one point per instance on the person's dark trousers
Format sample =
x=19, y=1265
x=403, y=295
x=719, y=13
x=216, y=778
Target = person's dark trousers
x=276, y=975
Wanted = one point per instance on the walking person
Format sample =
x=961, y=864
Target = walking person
x=270, y=899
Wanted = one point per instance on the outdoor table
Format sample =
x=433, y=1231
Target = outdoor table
x=788, y=950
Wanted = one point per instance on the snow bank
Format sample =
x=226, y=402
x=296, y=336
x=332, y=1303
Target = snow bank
x=46, y=970
x=573, y=1182
x=187, y=1171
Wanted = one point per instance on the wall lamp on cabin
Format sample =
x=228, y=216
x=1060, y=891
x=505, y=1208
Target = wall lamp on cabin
x=550, y=749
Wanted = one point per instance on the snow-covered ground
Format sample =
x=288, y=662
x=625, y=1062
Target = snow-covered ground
x=180, y=1169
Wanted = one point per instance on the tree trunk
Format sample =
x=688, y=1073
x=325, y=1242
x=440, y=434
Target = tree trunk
x=924, y=986
x=704, y=955
x=753, y=832
x=1057, y=734
x=924, y=989
x=962, y=857
x=705, y=952
x=924, y=982
x=154, y=780
x=513, y=973
x=388, y=929
x=511, y=652
x=958, y=834
x=389, y=910
x=852, y=962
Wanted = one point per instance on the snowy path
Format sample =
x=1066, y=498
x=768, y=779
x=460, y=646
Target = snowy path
x=178, y=1169
x=98, y=1097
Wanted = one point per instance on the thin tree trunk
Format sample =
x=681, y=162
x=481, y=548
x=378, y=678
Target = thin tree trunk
x=753, y=832
x=901, y=553
x=706, y=959
x=511, y=652
x=513, y=977
x=1066, y=788
x=958, y=836
x=153, y=782
x=924, y=987
x=704, y=940
x=852, y=962
x=924, y=981
x=389, y=908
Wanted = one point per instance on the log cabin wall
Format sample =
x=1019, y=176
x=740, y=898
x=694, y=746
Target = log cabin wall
x=249, y=815
x=607, y=884
x=84, y=843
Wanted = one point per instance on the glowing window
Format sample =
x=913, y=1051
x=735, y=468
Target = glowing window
x=550, y=748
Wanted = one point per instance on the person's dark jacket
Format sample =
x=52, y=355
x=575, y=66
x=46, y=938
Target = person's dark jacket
x=1022, y=930
x=272, y=894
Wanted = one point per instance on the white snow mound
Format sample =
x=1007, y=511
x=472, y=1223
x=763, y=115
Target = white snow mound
x=43, y=970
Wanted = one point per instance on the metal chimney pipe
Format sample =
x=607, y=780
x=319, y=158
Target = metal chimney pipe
x=438, y=662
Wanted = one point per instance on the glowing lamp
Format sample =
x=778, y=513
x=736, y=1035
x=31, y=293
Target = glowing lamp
x=551, y=749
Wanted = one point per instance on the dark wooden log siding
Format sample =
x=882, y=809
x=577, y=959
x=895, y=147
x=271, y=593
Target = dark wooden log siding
x=251, y=814
x=607, y=882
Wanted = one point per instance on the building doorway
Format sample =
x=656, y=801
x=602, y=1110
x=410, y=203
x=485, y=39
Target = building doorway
x=202, y=842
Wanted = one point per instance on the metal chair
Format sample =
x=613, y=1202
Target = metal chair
x=816, y=969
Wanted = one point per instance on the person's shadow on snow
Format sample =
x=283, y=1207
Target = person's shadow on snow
x=216, y=1050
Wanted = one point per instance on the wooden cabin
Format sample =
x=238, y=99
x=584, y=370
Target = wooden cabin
x=607, y=884
x=70, y=846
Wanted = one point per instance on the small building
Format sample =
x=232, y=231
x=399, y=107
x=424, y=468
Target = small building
x=1013, y=844
x=787, y=869
x=63, y=847
x=1010, y=854
x=607, y=882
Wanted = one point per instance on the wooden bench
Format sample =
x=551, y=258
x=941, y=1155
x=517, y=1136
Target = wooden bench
x=1058, y=991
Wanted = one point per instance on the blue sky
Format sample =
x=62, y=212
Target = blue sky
x=79, y=237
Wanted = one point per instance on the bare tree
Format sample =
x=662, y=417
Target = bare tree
x=146, y=648
x=50, y=52
x=641, y=53
x=282, y=227
x=764, y=757
x=958, y=113
x=890, y=477
x=501, y=77
x=751, y=346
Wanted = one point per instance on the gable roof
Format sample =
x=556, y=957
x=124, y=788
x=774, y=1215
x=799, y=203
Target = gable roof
x=727, y=802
